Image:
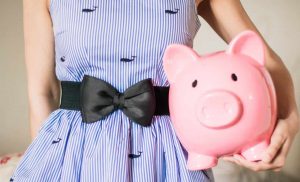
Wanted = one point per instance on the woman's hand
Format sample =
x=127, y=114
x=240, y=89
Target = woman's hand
x=275, y=156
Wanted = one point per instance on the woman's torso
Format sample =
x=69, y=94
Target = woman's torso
x=121, y=42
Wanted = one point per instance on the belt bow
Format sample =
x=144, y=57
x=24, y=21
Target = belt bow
x=98, y=99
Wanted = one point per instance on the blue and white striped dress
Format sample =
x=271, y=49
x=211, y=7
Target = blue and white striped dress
x=121, y=42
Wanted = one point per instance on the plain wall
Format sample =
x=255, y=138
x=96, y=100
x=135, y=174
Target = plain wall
x=277, y=20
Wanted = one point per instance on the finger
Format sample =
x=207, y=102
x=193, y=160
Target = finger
x=285, y=147
x=277, y=140
x=277, y=163
x=231, y=159
x=255, y=166
x=228, y=157
x=280, y=158
x=277, y=169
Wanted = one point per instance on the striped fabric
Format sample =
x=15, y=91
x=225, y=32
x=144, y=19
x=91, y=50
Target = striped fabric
x=121, y=42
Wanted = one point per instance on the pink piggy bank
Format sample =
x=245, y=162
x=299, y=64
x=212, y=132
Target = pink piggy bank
x=221, y=103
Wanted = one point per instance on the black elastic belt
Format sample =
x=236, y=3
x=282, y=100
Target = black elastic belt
x=76, y=94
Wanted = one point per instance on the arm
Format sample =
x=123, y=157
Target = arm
x=228, y=18
x=43, y=86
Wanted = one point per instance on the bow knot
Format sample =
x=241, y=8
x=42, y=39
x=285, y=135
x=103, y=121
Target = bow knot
x=118, y=100
x=98, y=99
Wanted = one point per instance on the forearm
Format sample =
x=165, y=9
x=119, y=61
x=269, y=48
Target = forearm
x=284, y=87
x=227, y=18
x=40, y=106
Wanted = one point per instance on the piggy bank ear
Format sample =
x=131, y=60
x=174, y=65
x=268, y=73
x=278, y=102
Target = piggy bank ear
x=248, y=43
x=176, y=58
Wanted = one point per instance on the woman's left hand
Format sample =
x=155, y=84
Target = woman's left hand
x=275, y=156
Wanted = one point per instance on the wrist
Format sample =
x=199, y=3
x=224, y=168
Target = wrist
x=294, y=121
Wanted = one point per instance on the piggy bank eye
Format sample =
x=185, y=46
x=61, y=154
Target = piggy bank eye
x=194, y=84
x=234, y=77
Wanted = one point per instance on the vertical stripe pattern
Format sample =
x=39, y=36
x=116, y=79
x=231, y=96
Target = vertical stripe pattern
x=121, y=42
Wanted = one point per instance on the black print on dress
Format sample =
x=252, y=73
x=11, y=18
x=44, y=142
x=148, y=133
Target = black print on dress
x=171, y=12
x=63, y=59
x=11, y=179
x=89, y=10
x=56, y=141
x=134, y=155
x=127, y=59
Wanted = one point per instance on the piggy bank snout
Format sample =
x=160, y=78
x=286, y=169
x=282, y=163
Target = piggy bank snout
x=218, y=109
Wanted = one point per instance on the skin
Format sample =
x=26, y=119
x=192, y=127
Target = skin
x=44, y=87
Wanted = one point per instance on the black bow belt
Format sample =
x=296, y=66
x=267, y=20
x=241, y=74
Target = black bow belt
x=96, y=98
